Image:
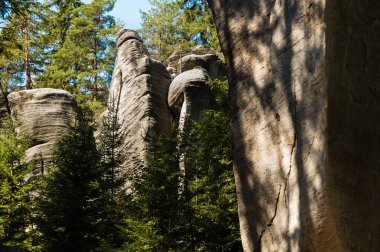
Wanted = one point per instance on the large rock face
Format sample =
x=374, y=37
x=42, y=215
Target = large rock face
x=44, y=115
x=304, y=81
x=139, y=90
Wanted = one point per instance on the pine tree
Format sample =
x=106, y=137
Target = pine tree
x=113, y=181
x=161, y=29
x=152, y=221
x=68, y=205
x=83, y=64
x=175, y=25
x=203, y=215
x=21, y=34
x=16, y=223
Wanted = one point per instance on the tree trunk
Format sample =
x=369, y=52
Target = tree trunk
x=28, y=77
x=95, y=69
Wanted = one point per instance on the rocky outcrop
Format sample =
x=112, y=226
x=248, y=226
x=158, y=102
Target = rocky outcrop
x=198, y=56
x=189, y=96
x=139, y=90
x=44, y=115
x=304, y=88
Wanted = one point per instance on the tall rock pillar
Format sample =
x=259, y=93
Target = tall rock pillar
x=305, y=93
x=139, y=90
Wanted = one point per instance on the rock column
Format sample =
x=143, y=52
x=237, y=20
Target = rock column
x=139, y=90
x=304, y=88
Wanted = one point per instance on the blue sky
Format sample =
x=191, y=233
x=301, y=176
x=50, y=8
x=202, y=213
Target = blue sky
x=129, y=11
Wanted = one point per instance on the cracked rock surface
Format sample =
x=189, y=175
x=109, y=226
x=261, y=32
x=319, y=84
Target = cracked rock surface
x=304, y=89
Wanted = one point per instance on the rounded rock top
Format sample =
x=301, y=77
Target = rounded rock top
x=126, y=34
x=39, y=92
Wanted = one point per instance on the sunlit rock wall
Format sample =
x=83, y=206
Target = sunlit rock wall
x=304, y=88
x=44, y=116
x=139, y=90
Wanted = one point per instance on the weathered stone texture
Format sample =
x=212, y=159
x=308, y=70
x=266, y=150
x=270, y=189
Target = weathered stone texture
x=139, y=91
x=210, y=62
x=44, y=115
x=304, y=88
x=189, y=96
x=198, y=56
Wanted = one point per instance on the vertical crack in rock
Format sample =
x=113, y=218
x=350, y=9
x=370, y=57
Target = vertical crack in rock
x=293, y=145
x=271, y=220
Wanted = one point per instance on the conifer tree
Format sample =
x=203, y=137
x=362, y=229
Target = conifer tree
x=68, y=205
x=113, y=179
x=16, y=223
x=177, y=25
x=203, y=216
x=83, y=64
x=21, y=35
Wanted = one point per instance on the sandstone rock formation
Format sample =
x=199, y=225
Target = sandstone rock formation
x=201, y=56
x=139, y=90
x=189, y=96
x=44, y=116
x=304, y=88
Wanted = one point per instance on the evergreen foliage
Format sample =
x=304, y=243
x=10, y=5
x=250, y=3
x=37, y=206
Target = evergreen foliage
x=84, y=62
x=174, y=25
x=16, y=222
x=20, y=59
x=58, y=44
x=85, y=202
x=201, y=214
x=68, y=204
x=113, y=180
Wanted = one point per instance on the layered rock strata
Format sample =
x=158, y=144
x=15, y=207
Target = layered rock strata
x=44, y=115
x=199, y=56
x=304, y=88
x=189, y=96
x=138, y=90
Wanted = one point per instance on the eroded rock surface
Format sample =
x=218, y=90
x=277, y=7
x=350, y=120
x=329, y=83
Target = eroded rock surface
x=304, y=88
x=189, y=96
x=198, y=56
x=44, y=115
x=139, y=90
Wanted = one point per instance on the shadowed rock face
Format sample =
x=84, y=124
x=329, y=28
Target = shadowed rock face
x=139, y=90
x=304, y=89
x=44, y=116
